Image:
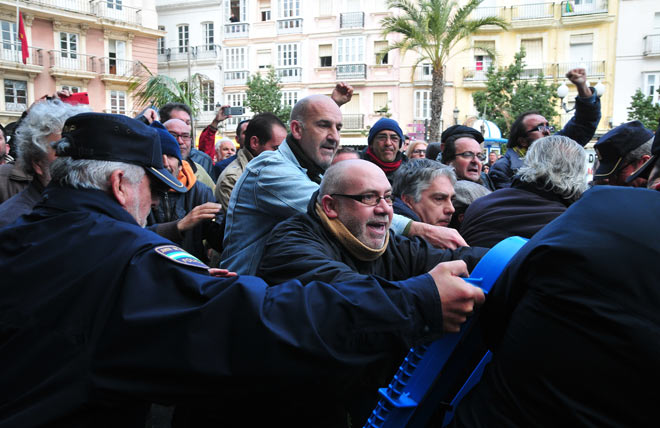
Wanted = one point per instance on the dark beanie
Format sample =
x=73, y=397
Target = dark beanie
x=168, y=145
x=384, y=124
x=463, y=131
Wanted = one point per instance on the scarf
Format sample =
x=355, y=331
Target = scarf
x=385, y=166
x=347, y=240
x=521, y=151
x=186, y=176
x=314, y=172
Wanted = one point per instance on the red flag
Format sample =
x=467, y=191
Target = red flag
x=25, y=53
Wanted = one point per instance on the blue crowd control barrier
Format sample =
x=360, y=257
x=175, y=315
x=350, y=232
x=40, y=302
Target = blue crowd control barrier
x=426, y=378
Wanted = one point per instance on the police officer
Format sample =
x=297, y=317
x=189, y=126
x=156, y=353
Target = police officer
x=99, y=316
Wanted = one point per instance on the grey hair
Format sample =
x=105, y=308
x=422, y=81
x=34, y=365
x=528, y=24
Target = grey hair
x=91, y=174
x=43, y=119
x=637, y=153
x=416, y=175
x=466, y=192
x=557, y=164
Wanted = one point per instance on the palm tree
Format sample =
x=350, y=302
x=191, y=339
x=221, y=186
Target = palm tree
x=159, y=90
x=434, y=28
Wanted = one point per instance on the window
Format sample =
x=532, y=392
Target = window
x=482, y=60
x=236, y=10
x=72, y=89
x=325, y=55
x=350, y=50
x=235, y=100
x=422, y=105
x=183, y=38
x=379, y=47
x=15, y=95
x=263, y=59
x=581, y=51
x=69, y=45
x=118, y=102
x=236, y=58
x=264, y=9
x=651, y=82
x=9, y=41
x=325, y=8
x=289, y=98
x=114, y=4
x=427, y=71
x=289, y=8
x=287, y=55
x=117, y=63
x=209, y=39
x=380, y=102
x=533, y=57
x=208, y=96
x=656, y=20
x=161, y=41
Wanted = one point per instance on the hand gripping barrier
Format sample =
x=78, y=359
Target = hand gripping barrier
x=427, y=377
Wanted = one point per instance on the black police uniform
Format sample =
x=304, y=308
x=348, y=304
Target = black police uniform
x=99, y=317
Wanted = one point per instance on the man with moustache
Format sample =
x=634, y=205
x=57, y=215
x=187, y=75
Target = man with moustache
x=383, y=146
x=461, y=149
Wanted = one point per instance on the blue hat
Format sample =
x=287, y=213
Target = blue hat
x=612, y=147
x=644, y=170
x=384, y=124
x=168, y=145
x=114, y=137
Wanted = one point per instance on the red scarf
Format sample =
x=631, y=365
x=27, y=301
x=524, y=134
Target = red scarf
x=385, y=166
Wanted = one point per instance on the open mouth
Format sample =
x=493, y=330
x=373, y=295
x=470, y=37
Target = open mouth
x=378, y=227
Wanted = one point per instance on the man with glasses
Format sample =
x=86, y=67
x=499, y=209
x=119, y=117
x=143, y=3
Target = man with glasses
x=621, y=152
x=461, y=149
x=345, y=236
x=530, y=126
x=383, y=146
x=181, y=131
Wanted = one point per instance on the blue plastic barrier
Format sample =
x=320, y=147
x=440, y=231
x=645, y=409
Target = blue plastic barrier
x=424, y=379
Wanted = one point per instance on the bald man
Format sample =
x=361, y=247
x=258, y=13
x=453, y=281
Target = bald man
x=345, y=236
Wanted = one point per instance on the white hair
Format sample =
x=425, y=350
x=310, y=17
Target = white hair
x=223, y=140
x=415, y=176
x=91, y=174
x=557, y=164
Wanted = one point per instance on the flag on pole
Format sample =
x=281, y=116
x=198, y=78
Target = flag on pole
x=25, y=53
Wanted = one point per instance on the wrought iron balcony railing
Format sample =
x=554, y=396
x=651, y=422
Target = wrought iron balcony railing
x=351, y=71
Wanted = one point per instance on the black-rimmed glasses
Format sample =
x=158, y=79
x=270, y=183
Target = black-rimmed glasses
x=368, y=199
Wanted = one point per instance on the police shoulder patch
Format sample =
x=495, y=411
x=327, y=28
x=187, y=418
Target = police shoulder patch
x=180, y=256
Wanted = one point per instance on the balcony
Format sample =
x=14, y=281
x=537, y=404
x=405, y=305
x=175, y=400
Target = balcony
x=532, y=11
x=351, y=20
x=351, y=71
x=116, y=11
x=652, y=45
x=352, y=121
x=119, y=68
x=206, y=52
x=593, y=68
x=289, y=26
x=236, y=78
x=568, y=8
x=11, y=53
x=474, y=74
x=73, y=61
x=291, y=74
x=487, y=11
x=534, y=71
x=81, y=6
x=237, y=30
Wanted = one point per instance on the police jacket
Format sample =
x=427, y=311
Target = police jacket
x=573, y=321
x=99, y=316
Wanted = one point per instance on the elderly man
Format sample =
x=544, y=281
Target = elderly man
x=530, y=126
x=183, y=112
x=277, y=185
x=551, y=179
x=41, y=126
x=126, y=318
x=180, y=130
x=383, y=146
x=461, y=149
x=424, y=190
x=224, y=149
x=184, y=218
x=573, y=320
x=220, y=165
x=265, y=132
x=621, y=152
x=4, y=148
x=345, y=236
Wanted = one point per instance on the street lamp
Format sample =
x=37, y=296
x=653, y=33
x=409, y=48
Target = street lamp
x=456, y=111
x=562, y=91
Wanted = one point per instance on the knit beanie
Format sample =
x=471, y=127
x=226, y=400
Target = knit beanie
x=384, y=124
x=168, y=144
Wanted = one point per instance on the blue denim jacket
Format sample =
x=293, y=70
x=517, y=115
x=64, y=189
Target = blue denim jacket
x=273, y=187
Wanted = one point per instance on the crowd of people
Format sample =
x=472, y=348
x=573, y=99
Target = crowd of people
x=280, y=278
